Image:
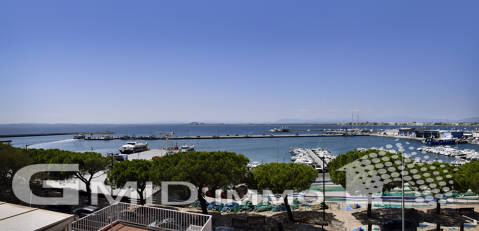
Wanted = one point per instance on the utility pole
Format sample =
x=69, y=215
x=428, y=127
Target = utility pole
x=323, y=204
x=111, y=185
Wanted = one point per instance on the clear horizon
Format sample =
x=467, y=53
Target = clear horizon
x=238, y=62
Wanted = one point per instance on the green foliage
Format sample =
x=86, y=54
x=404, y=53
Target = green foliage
x=49, y=156
x=279, y=177
x=214, y=170
x=339, y=177
x=436, y=177
x=467, y=177
x=135, y=170
x=282, y=176
x=11, y=160
x=89, y=164
x=367, y=171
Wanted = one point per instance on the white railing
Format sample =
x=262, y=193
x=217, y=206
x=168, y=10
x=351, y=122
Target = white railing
x=143, y=216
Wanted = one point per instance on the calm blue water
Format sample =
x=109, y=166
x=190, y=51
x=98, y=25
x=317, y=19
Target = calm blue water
x=266, y=149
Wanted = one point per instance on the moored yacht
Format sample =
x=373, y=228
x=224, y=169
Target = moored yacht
x=133, y=147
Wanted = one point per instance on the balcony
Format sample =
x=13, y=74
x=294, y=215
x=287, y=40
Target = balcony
x=123, y=216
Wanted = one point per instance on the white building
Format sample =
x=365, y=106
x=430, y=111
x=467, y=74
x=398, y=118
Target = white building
x=21, y=218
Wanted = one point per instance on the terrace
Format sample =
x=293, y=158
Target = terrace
x=123, y=216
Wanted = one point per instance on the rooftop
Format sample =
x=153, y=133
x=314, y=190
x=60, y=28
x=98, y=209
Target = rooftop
x=12, y=215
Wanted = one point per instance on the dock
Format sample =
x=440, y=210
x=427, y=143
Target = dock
x=315, y=157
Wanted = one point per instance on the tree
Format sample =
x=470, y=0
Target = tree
x=215, y=170
x=467, y=177
x=279, y=177
x=433, y=178
x=134, y=170
x=90, y=163
x=371, y=171
x=11, y=160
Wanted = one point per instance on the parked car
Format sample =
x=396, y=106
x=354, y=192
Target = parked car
x=85, y=211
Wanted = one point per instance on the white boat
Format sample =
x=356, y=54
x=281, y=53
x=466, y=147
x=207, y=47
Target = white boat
x=282, y=129
x=313, y=157
x=133, y=147
x=186, y=148
x=79, y=136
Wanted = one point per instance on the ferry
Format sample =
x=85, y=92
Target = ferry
x=133, y=147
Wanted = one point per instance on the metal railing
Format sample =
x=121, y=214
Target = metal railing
x=151, y=218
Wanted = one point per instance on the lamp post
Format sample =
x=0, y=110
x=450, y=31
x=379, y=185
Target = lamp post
x=323, y=204
x=111, y=185
x=402, y=193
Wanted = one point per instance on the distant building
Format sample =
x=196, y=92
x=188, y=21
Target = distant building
x=420, y=133
x=21, y=218
x=407, y=132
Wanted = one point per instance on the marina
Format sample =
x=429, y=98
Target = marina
x=315, y=157
x=254, y=141
x=462, y=156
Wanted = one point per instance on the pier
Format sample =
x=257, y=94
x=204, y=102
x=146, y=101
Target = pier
x=54, y=134
x=315, y=158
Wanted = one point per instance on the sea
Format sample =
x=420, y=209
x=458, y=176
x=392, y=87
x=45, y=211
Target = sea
x=262, y=150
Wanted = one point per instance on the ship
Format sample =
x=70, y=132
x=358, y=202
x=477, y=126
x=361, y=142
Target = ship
x=283, y=129
x=79, y=136
x=133, y=147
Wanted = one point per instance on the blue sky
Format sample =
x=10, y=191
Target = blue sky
x=237, y=61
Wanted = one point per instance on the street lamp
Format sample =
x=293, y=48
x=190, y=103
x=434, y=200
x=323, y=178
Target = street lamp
x=323, y=204
x=402, y=189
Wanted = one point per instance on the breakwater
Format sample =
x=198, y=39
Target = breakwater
x=213, y=137
x=55, y=134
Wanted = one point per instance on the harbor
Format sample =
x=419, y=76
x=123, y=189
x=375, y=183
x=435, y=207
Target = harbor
x=426, y=136
x=254, y=141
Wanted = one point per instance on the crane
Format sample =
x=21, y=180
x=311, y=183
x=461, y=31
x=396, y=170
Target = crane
x=167, y=135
